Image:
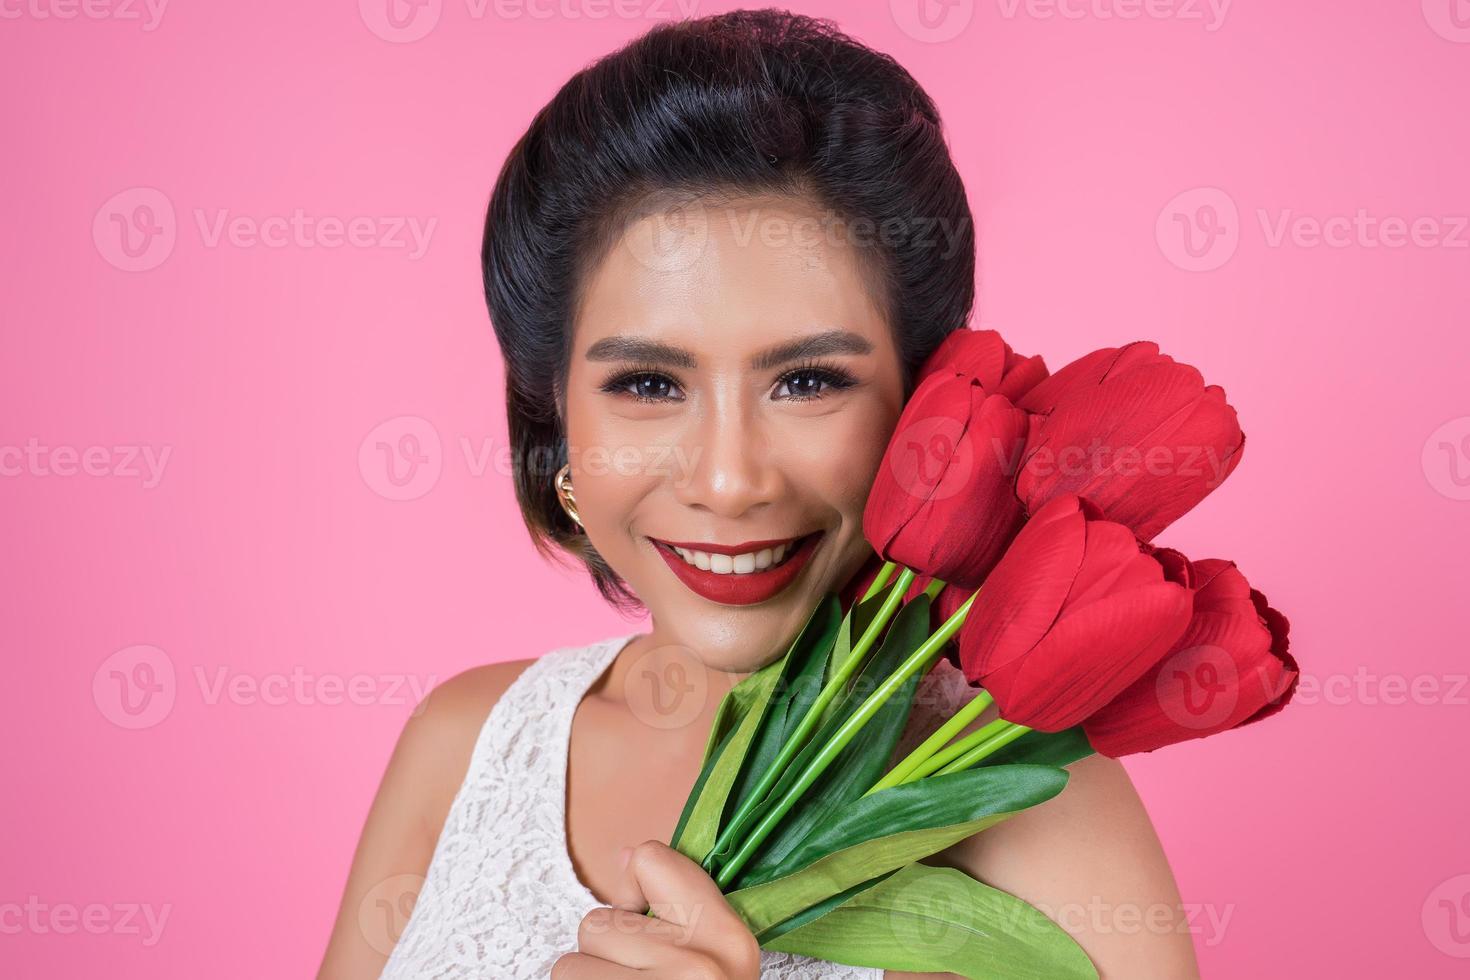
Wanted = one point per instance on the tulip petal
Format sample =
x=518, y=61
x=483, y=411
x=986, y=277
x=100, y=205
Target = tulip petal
x=1023, y=596
x=1088, y=371
x=1146, y=446
x=1091, y=656
x=1229, y=668
x=1111, y=563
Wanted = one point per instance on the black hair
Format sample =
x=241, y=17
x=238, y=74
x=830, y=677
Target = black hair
x=745, y=102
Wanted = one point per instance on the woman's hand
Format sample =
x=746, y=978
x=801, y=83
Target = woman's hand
x=696, y=935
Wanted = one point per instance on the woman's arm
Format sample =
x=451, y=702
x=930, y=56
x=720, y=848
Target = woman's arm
x=403, y=824
x=1090, y=859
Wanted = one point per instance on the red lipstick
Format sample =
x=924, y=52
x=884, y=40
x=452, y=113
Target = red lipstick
x=734, y=588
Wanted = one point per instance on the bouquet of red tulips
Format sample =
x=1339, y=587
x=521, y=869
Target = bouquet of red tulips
x=1013, y=518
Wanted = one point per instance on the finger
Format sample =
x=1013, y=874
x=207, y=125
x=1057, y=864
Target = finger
x=674, y=887
x=629, y=938
x=583, y=966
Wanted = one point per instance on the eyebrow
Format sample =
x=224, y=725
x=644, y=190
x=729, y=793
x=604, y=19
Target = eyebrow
x=621, y=348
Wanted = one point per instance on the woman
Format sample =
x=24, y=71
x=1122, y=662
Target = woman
x=714, y=264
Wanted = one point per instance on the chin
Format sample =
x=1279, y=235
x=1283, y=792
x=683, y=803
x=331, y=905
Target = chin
x=738, y=639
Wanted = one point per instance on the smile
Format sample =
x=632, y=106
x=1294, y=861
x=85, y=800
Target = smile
x=741, y=574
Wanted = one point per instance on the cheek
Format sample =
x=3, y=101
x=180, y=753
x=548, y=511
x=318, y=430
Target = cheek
x=840, y=462
x=615, y=461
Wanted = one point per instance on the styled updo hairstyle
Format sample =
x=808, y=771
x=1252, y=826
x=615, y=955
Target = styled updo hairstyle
x=750, y=101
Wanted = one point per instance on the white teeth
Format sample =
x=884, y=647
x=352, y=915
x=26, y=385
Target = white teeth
x=735, y=564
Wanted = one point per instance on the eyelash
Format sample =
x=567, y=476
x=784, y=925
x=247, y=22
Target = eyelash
x=832, y=375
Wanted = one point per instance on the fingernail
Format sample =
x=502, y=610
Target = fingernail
x=623, y=856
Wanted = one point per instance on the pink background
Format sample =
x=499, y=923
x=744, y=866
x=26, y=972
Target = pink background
x=270, y=555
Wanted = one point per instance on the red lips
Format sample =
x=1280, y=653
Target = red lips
x=737, y=589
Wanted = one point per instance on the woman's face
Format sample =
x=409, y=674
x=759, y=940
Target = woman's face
x=693, y=416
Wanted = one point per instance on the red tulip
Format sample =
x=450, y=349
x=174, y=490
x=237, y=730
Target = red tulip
x=1134, y=432
x=943, y=501
x=1072, y=615
x=1089, y=371
x=984, y=356
x=1229, y=668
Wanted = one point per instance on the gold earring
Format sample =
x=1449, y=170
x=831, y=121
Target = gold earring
x=564, y=492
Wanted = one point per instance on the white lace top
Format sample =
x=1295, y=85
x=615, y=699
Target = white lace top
x=501, y=900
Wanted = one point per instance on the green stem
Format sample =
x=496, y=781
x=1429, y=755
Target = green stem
x=993, y=744
x=934, y=588
x=922, y=658
x=951, y=728
x=814, y=713
x=884, y=574
x=949, y=753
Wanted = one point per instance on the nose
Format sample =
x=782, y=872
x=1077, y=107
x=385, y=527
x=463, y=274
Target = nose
x=729, y=466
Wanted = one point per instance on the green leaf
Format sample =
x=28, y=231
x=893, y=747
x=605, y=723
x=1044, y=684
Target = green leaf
x=933, y=920
x=820, y=909
x=801, y=682
x=891, y=828
x=1044, y=748
x=859, y=616
x=699, y=825
x=710, y=754
x=863, y=760
x=742, y=713
x=806, y=660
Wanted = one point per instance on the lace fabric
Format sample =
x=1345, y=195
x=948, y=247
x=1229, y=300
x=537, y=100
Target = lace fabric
x=501, y=899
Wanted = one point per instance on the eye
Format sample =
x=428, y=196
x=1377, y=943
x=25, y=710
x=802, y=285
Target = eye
x=642, y=385
x=806, y=383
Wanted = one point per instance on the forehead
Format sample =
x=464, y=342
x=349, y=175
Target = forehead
x=732, y=277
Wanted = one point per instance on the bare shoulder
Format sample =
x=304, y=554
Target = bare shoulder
x=434, y=749
x=418, y=787
x=1090, y=859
